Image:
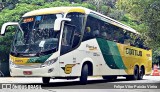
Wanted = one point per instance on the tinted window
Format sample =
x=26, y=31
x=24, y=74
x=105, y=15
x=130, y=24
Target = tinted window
x=97, y=26
x=72, y=32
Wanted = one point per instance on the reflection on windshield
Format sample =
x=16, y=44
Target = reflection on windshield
x=37, y=35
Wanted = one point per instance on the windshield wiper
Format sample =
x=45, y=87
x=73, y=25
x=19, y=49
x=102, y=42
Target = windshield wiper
x=46, y=52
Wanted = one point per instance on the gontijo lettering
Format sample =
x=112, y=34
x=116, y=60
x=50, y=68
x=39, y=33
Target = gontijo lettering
x=133, y=52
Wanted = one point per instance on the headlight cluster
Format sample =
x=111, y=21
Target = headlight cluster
x=49, y=62
x=12, y=64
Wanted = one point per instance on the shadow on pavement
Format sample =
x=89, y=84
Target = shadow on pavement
x=76, y=84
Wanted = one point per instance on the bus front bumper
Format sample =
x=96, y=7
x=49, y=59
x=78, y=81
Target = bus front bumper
x=39, y=72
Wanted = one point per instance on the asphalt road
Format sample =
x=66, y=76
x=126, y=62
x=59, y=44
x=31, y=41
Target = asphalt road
x=148, y=84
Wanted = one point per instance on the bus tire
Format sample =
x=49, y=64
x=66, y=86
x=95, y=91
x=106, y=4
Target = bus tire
x=135, y=74
x=45, y=80
x=109, y=77
x=84, y=75
x=141, y=73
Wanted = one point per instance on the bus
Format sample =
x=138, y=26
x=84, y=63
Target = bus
x=76, y=42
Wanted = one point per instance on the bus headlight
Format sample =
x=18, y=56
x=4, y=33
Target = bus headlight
x=49, y=62
x=12, y=64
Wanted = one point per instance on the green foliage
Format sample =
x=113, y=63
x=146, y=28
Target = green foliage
x=143, y=15
x=137, y=25
x=156, y=55
x=151, y=17
x=116, y=14
x=32, y=1
x=5, y=43
x=77, y=1
x=105, y=9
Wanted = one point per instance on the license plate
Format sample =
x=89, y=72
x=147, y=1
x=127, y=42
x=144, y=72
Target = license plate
x=27, y=72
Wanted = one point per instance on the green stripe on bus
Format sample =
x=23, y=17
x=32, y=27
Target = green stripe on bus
x=40, y=59
x=111, y=54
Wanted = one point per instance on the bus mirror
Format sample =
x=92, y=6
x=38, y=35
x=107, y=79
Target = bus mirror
x=57, y=23
x=4, y=26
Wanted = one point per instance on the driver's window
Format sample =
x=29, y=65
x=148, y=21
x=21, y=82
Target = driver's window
x=67, y=38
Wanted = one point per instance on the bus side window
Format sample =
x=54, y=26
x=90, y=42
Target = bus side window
x=127, y=38
x=104, y=35
x=91, y=28
x=87, y=33
x=95, y=33
x=139, y=42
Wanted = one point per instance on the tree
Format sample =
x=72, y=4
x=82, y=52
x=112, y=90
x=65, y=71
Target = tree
x=152, y=18
x=103, y=6
x=145, y=15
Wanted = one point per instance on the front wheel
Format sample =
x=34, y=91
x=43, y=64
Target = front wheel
x=84, y=75
x=45, y=80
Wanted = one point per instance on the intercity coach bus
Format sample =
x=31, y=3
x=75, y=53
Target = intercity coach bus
x=76, y=42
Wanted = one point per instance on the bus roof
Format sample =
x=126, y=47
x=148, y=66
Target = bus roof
x=55, y=10
x=115, y=22
x=65, y=10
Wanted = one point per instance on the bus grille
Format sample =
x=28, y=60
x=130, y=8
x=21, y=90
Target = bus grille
x=29, y=66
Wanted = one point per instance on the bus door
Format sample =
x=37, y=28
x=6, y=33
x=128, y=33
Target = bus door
x=70, y=40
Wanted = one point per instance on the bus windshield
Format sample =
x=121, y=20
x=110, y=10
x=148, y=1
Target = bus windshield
x=36, y=35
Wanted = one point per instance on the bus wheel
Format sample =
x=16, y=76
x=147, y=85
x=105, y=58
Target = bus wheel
x=84, y=75
x=141, y=73
x=109, y=77
x=135, y=74
x=45, y=80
